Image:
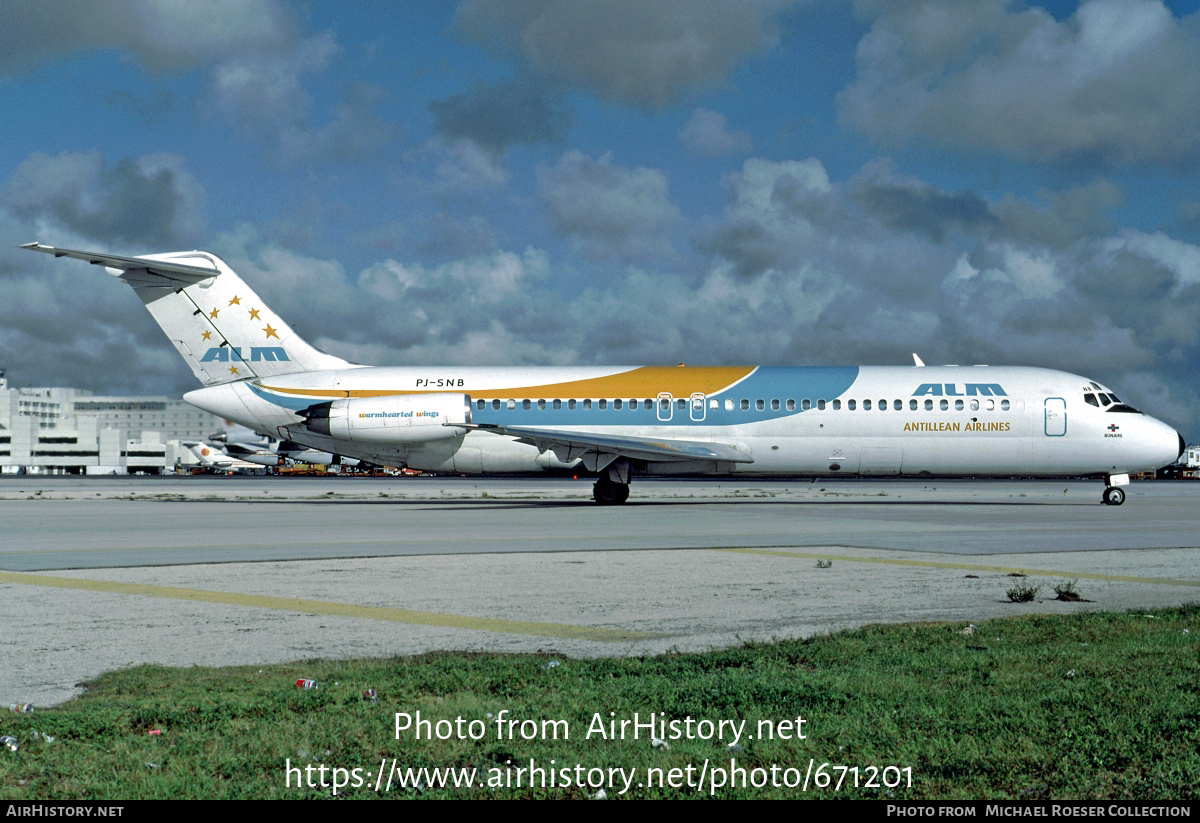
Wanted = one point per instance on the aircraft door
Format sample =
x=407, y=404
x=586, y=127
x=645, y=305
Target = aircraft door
x=697, y=406
x=665, y=404
x=1056, y=417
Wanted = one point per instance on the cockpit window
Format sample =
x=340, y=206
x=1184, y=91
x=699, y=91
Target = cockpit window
x=1104, y=399
x=1121, y=407
x=1090, y=399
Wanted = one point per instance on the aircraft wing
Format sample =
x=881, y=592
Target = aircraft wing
x=575, y=444
x=139, y=271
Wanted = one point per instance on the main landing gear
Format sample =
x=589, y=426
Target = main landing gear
x=609, y=492
x=1114, y=495
x=612, y=487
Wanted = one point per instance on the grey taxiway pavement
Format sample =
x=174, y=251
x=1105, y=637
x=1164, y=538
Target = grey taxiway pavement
x=100, y=573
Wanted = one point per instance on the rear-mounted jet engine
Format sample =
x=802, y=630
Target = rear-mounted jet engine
x=412, y=418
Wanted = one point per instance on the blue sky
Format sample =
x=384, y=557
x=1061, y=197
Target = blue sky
x=623, y=182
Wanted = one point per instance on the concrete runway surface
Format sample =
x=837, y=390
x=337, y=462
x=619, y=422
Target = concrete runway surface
x=102, y=573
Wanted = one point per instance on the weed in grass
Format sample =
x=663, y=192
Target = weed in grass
x=1066, y=591
x=1023, y=593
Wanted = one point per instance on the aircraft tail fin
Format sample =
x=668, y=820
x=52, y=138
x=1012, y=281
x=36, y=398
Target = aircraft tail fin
x=219, y=325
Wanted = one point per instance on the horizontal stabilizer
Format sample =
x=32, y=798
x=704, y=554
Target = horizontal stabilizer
x=653, y=449
x=139, y=271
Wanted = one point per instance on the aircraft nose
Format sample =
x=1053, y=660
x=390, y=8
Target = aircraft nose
x=1169, y=445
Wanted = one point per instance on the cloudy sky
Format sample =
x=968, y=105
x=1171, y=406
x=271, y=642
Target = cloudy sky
x=620, y=182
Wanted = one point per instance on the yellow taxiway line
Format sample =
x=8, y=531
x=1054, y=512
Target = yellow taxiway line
x=453, y=621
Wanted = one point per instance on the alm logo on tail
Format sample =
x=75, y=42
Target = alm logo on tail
x=225, y=354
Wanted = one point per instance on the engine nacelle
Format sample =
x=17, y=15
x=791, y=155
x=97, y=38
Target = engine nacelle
x=408, y=418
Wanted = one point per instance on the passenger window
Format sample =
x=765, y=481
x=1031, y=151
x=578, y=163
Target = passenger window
x=883, y=405
x=664, y=404
x=850, y=405
x=774, y=405
x=804, y=404
x=991, y=405
x=496, y=405
x=759, y=405
x=791, y=404
x=557, y=404
x=912, y=405
x=633, y=405
x=603, y=404
x=479, y=404
x=745, y=404
x=866, y=405
x=681, y=405
x=928, y=405
x=958, y=405
x=587, y=404
x=618, y=403
x=712, y=403
x=974, y=405
x=837, y=405
x=542, y=405
x=898, y=405
x=648, y=404
x=1004, y=405
x=525, y=404
x=820, y=404
x=945, y=404
x=728, y=404
x=570, y=405
x=512, y=404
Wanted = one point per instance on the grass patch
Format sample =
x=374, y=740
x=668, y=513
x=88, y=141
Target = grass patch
x=1023, y=593
x=1090, y=705
x=1066, y=591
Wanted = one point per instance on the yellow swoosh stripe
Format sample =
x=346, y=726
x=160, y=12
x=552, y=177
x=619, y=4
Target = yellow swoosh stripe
x=647, y=381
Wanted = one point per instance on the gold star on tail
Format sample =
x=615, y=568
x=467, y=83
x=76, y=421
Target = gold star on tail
x=271, y=332
x=254, y=314
x=213, y=313
x=236, y=301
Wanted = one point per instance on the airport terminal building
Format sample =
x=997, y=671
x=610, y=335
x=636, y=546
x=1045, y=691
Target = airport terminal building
x=72, y=431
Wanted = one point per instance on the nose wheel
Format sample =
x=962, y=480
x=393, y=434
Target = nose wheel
x=1114, y=496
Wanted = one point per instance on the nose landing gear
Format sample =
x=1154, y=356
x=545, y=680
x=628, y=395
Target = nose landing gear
x=1114, y=495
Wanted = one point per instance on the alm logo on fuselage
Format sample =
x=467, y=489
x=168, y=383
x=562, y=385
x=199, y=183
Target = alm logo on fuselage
x=951, y=390
x=226, y=354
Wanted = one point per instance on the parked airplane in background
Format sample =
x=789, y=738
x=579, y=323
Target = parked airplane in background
x=215, y=459
x=618, y=422
x=286, y=453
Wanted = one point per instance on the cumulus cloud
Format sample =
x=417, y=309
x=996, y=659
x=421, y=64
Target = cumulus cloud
x=150, y=200
x=498, y=116
x=707, y=134
x=161, y=34
x=640, y=52
x=1116, y=83
x=610, y=211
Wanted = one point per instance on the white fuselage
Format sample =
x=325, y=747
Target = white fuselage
x=948, y=420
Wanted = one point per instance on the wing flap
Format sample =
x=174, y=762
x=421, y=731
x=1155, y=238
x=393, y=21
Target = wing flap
x=653, y=449
x=138, y=271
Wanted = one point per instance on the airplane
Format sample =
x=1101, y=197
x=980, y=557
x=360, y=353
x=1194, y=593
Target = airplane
x=617, y=422
x=287, y=452
x=214, y=459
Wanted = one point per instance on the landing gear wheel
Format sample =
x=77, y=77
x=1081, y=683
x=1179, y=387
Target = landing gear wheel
x=1114, y=496
x=608, y=493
